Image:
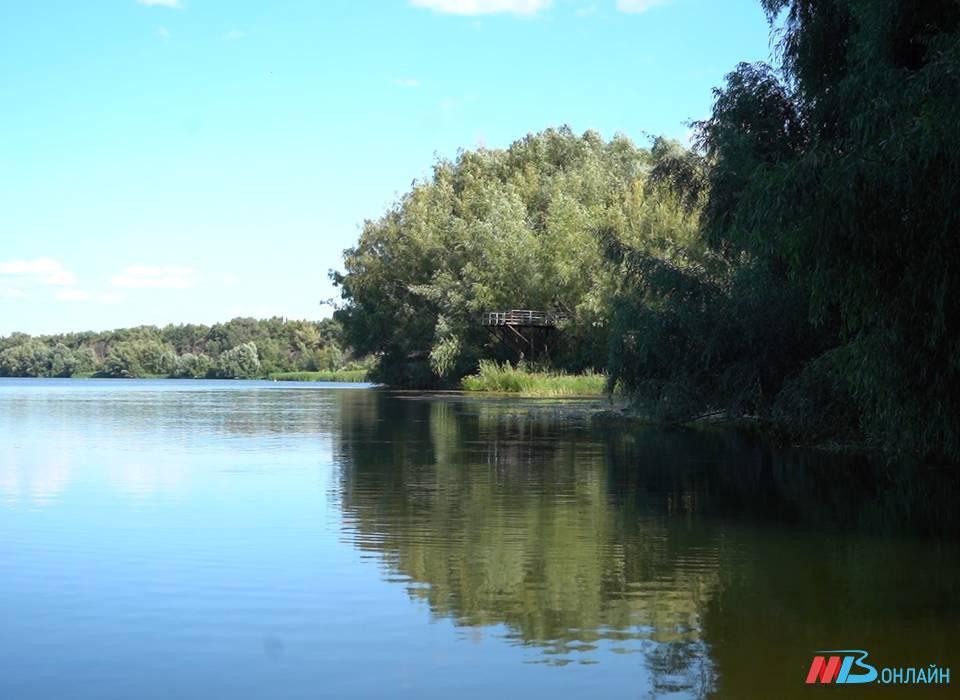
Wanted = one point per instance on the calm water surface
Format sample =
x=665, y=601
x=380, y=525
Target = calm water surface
x=192, y=539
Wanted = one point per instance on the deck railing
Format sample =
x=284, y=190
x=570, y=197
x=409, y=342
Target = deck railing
x=523, y=317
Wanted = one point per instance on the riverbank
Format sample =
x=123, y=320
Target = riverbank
x=343, y=375
x=619, y=411
x=506, y=379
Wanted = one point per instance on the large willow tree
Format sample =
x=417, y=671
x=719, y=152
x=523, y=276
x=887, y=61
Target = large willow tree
x=846, y=167
x=825, y=298
x=842, y=168
x=497, y=229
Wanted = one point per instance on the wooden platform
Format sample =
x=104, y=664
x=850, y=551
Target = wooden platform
x=523, y=317
x=528, y=334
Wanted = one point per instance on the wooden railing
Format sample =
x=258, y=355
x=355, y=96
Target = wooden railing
x=523, y=317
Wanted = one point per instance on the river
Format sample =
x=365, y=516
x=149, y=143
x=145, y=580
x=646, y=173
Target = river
x=207, y=539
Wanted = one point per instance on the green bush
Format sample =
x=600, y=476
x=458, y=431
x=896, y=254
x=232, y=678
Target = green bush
x=345, y=375
x=241, y=362
x=505, y=378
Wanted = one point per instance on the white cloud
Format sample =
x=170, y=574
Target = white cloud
x=175, y=4
x=637, y=6
x=234, y=35
x=407, y=82
x=42, y=270
x=73, y=295
x=155, y=276
x=485, y=7
x=12, y=293
x=81, y=295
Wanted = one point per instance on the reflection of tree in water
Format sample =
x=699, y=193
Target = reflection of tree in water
x=642, y=541
x=505, y=520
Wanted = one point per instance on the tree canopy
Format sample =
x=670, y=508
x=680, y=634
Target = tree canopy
x=239, y=348
x=840, y=170
x=497, y=229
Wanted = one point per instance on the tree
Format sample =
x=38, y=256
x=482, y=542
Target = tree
x=186, y=350
x=328, y=357
x=839, y=172
x=240, y=362
x=124, y=361
x=28, y=359
x=494, y=229
x=64, y=362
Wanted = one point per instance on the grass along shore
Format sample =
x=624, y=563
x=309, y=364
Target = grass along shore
x=342, y=375
x=507, y=379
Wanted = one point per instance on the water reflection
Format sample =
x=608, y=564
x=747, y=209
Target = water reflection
x=700, y=551
x=221, y=539
x=125, y=424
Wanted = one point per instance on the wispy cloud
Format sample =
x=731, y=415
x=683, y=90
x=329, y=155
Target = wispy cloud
x=41, y=270
x=587, y=11
x=163, y=33
x=234, y=35
x=174, y=4
x=484, y=7
x=637, y=6
x=81, y=295
x=156, y=277
x=12, y=293
x=407, y=82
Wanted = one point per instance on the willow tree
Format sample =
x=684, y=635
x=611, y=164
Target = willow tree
x=842, y=167
x=494, y=229
x=823, y=297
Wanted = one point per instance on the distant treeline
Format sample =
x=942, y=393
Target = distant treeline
x=801, y=265
x=240, y=348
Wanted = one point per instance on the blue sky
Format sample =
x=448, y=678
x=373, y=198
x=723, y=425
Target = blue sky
x=195, y=160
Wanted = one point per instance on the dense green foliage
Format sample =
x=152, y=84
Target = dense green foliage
x=241, y=362
x=23, y=356
x=801, y=265
x=505, y=378
x=240, y=348
x=499, y=229
x=347, y=374
x=828, y=300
